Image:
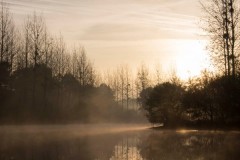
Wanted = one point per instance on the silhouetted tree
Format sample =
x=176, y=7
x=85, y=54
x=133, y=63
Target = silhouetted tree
x=5, y=90
x=85, y=69
x=8, y=36
x=222, y=25
x=163, y=104
x=127, y=85
x=158, y=74
x=122, y=84
x=143, y=77
x=35, y=36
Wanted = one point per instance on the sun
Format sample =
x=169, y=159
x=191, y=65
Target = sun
x=186, y=57
x=191, y=58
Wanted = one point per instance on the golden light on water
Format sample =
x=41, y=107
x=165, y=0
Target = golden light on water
x=184, y=131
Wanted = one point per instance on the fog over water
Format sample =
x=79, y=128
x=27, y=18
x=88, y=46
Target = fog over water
x=114, y=142
x=71, y=130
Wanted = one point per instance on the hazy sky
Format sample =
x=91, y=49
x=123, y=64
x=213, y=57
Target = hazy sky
x=116, y=32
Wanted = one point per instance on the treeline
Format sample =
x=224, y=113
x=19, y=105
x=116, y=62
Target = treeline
x=202, y=102
x=41, y=81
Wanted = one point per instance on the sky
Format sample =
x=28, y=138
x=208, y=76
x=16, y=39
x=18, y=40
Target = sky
x=165, y=33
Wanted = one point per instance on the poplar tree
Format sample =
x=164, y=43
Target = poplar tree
x=221, y=22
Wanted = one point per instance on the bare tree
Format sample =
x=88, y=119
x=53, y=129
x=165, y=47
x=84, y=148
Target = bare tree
x=112, y=79
x=59, y=54
x=35, y=29
x=127, y=87
x=158, y=74
x=7, y=35
x=116, y=85
x=82, y=67
x=173, y=77
x=34, y=40
x=143, y=79
x=14, y=47
x=85, y=70
x=122, y=84
x=48, y=44
x=221, y=22
x=26, y=33
x=20, y=56
x=74, y=63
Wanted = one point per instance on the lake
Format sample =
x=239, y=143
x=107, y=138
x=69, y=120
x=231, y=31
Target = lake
x=115, y=142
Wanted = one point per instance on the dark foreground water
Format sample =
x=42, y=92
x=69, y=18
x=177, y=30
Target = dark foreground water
x=105, y=142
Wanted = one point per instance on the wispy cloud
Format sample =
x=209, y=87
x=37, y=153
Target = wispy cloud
x=118, y=29
x=113, y=19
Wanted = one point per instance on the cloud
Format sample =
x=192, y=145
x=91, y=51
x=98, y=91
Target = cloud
x=114, y=20
x=114, y=31
x=128, y=31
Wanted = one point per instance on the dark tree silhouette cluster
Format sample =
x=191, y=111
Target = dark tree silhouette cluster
x=205, y=102
x=41, y=81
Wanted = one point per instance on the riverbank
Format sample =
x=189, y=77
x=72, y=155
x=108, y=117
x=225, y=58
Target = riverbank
x=200, y=127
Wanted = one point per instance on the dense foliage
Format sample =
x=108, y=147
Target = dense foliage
x=206, y=102
x=34, y=95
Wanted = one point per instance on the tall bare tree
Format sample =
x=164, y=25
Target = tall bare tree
x=127, y=88
x=83, y=68
x=74, y=62
x=221, y=22
x=7, y=33
x=158, y=76
x=143, y=79
x=59, y=55
x=35, y=29
x=122, y=84
x=112, y=79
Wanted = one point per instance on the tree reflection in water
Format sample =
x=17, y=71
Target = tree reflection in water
x=139, y=145
x=127, y=149
x=201, y=145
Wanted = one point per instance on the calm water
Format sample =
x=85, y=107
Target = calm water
x=105, y=142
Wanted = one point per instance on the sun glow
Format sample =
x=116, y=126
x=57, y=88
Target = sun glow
x=187, y=57
x=191, y=58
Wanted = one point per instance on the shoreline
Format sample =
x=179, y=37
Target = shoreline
x=198, y=128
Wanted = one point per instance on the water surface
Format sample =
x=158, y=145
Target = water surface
x=115, y=142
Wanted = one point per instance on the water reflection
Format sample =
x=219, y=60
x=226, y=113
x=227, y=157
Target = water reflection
x=128, y=145
x=127, y=149
x=192, y=145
